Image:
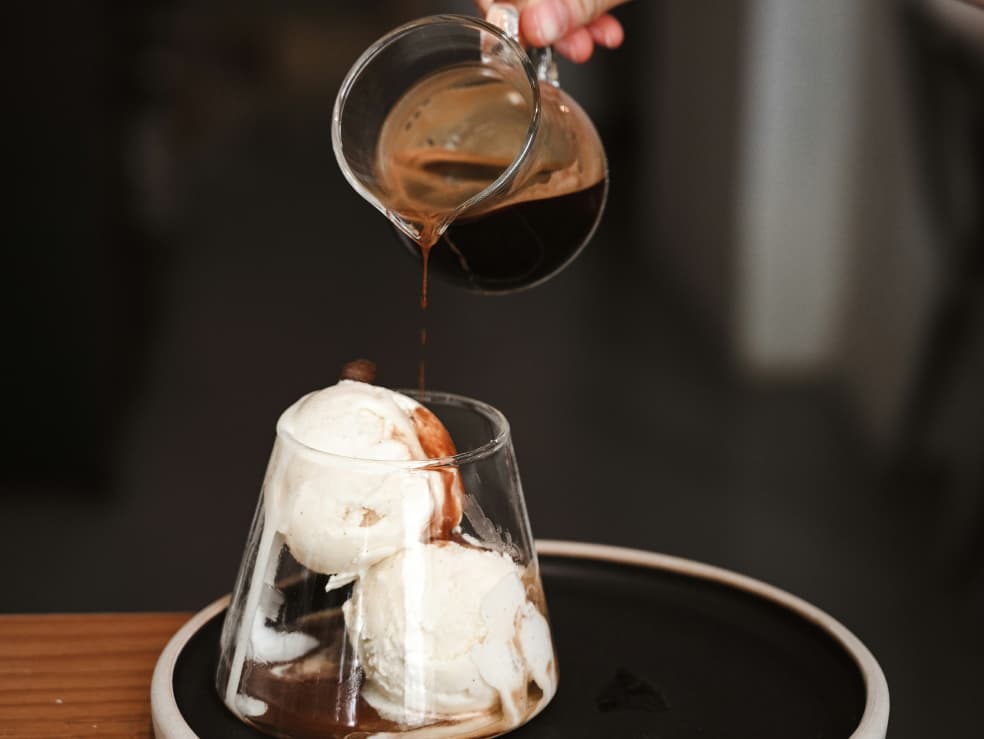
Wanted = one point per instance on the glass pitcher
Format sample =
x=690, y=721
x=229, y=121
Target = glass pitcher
x=491, y=174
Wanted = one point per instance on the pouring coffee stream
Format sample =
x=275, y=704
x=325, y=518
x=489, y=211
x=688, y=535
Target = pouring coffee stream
x=494, y=178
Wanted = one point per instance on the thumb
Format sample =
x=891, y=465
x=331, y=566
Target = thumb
x=544, y=22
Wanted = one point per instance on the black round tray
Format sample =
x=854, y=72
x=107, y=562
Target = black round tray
x=648, y=646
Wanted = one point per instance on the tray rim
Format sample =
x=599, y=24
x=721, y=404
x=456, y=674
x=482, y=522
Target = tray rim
x=168, y=723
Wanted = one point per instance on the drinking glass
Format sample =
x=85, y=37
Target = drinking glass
x=443, y=633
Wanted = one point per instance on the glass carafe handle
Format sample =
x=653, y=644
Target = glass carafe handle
x=505, y=17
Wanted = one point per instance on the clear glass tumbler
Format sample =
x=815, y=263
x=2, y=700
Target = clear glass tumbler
x=363, y=610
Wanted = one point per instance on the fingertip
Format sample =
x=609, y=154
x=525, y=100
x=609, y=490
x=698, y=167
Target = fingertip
x=607, y=31
x=529, y=31
x=577, y=46
x=544, y=23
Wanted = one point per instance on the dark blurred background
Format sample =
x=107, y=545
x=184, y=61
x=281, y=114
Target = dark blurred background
x=771, y=357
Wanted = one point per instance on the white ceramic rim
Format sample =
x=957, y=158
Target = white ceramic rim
x=164, y=712
x=874, y=720
x=170, y=724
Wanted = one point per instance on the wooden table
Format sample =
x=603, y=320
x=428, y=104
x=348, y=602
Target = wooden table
x=80, y=675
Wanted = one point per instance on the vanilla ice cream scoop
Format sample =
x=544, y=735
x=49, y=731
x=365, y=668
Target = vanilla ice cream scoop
x=445, y=631
x=340, y=511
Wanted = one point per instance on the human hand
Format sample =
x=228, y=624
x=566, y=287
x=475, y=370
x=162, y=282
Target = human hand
x=574, y=27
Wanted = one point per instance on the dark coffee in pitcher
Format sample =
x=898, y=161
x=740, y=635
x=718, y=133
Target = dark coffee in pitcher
x=455, y=134
x=518, y=245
